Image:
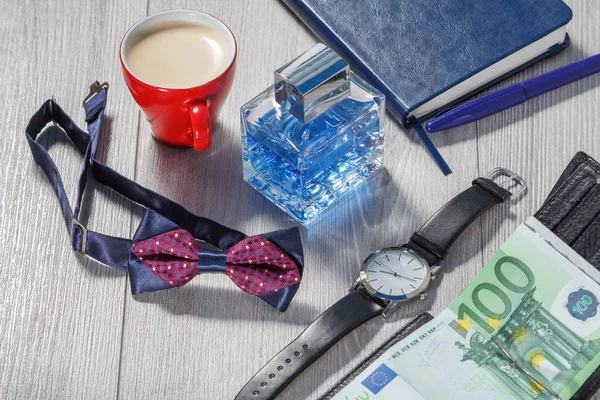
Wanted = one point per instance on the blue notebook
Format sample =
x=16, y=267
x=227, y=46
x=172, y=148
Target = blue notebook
x=428, y=55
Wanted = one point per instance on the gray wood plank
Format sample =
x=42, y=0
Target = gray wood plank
x=539, y=138
x=60, y=314
x=208, y=339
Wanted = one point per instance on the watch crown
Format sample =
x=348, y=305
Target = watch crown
x=423, y=296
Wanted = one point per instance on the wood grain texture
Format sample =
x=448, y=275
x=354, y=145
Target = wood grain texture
x=539, y=138
x=225, y=335
x=70, y=328
x=60, y=314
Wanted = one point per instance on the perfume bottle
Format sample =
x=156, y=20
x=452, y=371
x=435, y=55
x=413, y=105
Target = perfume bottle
x=314, y=135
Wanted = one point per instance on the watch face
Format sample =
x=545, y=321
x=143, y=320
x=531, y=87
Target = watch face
x=395, y=274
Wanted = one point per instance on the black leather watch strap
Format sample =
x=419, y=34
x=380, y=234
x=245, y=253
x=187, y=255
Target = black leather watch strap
x=351, y=311
x=435, y=238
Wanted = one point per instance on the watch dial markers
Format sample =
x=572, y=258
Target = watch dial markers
x=391, y=270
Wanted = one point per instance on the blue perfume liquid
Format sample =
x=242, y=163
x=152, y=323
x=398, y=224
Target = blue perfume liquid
x=304, y=168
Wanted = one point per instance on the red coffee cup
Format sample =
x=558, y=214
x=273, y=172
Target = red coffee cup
x=180, y=116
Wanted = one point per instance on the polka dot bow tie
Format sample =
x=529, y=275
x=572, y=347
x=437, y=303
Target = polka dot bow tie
x=171, y=245
x=255, y=264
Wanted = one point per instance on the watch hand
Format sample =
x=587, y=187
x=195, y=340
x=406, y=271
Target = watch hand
x=397, y=275
x=406, y=277
x=383, y=265
x=394, y=273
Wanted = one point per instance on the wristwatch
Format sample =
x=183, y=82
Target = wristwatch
x=387, y=278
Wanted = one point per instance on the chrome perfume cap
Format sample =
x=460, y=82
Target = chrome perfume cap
x=312, y=83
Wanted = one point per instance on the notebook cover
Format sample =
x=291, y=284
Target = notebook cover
x=413, y=50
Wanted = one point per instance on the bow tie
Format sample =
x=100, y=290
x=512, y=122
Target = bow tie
x=255, y=264
x=164, y=251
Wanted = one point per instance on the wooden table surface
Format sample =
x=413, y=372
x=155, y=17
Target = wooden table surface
x=69, y=327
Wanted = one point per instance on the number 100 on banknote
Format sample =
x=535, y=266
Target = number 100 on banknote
x=527, y=327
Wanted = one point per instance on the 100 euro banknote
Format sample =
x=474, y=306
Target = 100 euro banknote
x=532, y=301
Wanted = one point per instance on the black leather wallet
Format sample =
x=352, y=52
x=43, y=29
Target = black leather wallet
x=572, y=209
x=572, y=212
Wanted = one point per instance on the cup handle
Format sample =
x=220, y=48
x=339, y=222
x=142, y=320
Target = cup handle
x=201, y=134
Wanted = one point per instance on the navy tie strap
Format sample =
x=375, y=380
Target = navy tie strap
x=269, y=266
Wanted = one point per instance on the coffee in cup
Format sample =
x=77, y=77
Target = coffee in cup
x=179, y=54
x=179, y=67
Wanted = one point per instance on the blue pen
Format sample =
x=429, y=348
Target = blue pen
x=514, y=95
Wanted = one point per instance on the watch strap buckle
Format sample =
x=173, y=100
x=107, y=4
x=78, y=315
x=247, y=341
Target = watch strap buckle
x=512, y=178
